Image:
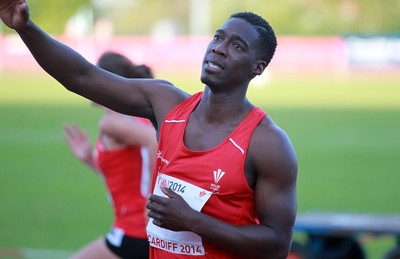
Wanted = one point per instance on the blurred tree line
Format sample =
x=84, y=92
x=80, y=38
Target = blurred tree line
x=288, y=17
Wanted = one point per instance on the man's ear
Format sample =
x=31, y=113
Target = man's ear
x=259, y=67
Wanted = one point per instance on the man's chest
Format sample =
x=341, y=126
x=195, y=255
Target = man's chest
x=201, y=136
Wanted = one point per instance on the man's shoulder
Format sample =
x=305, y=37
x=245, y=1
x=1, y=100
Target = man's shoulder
x=272, y=150
x=267, y=128
x=269, y=137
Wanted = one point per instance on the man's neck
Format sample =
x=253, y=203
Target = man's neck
x=218, y=107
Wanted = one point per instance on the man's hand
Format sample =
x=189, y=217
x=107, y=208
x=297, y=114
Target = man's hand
x=14, y=13
x=171, y=213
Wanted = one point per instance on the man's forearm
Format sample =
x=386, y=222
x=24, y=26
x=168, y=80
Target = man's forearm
x=255, y=241
x=57, y=59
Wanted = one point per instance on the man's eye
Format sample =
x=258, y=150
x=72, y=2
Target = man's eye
x=237, y=46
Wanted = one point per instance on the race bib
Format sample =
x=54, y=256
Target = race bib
x=181, y=242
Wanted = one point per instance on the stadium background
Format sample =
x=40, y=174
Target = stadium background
x=333, y=86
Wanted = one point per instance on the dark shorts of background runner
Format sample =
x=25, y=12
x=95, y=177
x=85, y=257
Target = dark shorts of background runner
x=131, y=248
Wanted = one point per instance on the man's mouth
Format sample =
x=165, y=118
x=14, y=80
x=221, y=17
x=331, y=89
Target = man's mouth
x=214, y=66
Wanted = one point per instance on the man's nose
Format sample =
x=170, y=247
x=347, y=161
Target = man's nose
x=219, y=49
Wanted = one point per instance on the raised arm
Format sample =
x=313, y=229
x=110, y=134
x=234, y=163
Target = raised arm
x=148, y=98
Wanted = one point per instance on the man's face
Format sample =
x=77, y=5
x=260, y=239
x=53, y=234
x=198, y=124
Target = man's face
x=230, y=58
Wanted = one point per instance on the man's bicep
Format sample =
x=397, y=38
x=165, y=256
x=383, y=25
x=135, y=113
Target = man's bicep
x=113, y=91
x=142, y=97
x=276, y=167
x=276, y=205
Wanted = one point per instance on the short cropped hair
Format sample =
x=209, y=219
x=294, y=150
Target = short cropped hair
x=267, y=39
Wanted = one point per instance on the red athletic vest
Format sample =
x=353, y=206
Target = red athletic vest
x=219, y=170
x=125, y=171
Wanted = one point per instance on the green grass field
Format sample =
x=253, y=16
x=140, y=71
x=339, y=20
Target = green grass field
x=346, y=132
